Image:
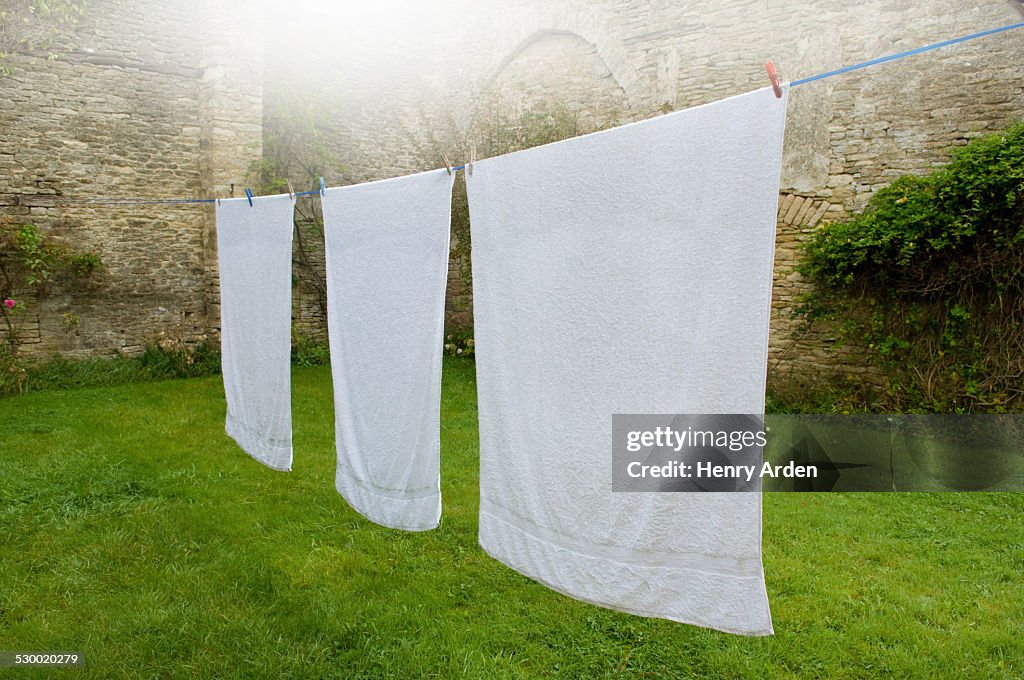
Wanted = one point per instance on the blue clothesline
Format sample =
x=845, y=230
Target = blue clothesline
x=908, y=53
x=161, y=201
x=795, y=83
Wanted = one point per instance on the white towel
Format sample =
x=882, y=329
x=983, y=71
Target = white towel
x=254, y=252
x=626, y=271
x=387, y=265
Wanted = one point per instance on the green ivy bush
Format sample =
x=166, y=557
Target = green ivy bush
x=960, y=226
x=929, y=280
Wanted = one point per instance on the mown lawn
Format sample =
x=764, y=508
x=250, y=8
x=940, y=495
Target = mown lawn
x=133, y=529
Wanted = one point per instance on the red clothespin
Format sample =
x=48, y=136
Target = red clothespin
x=770, y=67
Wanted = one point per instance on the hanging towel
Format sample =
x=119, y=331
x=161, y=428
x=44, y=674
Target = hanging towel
x=625, y=271
x=387, y=265
x=254, y=252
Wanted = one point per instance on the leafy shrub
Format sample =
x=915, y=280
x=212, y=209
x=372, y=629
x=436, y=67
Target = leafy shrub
x=309, y=351
x=460, y=343
x=174, y=359
x=929, y=280
x=961, y=226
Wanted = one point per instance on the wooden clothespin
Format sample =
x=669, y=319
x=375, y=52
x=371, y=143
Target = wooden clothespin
x=291, y=189
x=472, y=159
x=770, y=67
x=447, y=163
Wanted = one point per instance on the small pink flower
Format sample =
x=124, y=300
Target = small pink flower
x=9, y=303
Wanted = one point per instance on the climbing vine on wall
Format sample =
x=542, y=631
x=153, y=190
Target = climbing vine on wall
x=30, y=262
x=31, y=25
x=929, y=279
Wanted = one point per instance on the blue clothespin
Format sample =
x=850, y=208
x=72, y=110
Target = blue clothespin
x=248, y=194
x=323, y=187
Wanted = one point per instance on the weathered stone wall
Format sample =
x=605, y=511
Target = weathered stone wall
x=148, y=99
x=846, y=137
x=566, y=64
x=178, y=98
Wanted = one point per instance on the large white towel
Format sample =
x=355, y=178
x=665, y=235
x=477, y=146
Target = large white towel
x=387, y=265
x=254, y=252
x=626, y=271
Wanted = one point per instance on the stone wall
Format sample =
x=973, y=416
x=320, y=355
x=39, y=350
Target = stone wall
x=178, y=98
x=146, y=99
x=847, y=136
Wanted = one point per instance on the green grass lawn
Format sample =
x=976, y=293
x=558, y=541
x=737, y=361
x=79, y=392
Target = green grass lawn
x=133, y=529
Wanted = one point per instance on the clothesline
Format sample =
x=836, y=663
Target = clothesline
x=795, y=83
x=162, y=201
x=908, y=53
